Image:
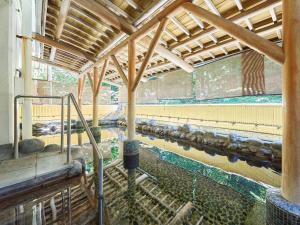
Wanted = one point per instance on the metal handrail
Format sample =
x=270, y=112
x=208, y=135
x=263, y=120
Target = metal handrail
x=89, y=133
x=16, y=138
x=96, y=149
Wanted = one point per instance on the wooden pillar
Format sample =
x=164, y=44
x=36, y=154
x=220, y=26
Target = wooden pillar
x=27, y=76
x=95, y=97
x=291, y=102
x=131, y=92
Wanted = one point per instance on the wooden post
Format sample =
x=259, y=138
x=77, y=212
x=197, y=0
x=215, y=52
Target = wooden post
x=27, y=76
x=131, y=92
x=291, y=102
x=95, y=97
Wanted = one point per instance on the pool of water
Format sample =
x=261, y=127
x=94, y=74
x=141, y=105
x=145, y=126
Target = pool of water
x=259, y=174
x=210, y=186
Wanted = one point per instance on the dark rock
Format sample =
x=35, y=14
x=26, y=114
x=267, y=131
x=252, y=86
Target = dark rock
x=53, y=128
x=96, y=131
x=52, y=148
x=265, y=151
x=253, y=142
x=31, y=145
x=185, y=128
x=76, y=168
x=79, y=125
x=232, y=158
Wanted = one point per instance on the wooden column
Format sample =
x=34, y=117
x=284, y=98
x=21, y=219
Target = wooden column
x=131, y=91
x=291, y=102
x=95, y=97
x=27, y=76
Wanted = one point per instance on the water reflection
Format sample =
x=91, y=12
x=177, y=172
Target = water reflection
x=176, y=186
x=229, y=163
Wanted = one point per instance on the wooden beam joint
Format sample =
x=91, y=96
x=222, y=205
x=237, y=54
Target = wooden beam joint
x=152, y=46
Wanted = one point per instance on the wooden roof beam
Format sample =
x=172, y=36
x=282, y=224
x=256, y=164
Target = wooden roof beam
x=212, y=7
x=141, y=32
x=150, y=52
x=171, y=35
x=63, y=13
x=102, y=75
x=249, y=24
x=133, y=4
x=67, y=48
x=232, y=42
x=116, y=9
x=43, y=61
x=106, y=15
x=180, y=25
x=257, y=9
x=196, y=20
x=273, y=15
x=167, y=54
x=247, y=37
x=119, y=69
x=239, y=4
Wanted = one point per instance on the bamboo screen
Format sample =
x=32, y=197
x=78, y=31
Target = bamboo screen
x=175, y=85
x=43, y=88
x=242, y=75
x=219, y=79
x=273, y=77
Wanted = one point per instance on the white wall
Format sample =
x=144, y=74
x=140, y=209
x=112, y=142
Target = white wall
x=8, y=60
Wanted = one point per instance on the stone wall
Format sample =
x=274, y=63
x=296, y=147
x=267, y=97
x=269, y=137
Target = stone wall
x=256, y=151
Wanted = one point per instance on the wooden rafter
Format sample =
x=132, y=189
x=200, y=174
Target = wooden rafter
x=232, y=16
x=230, y=41
x=89, y=35
x=249, y=38
x=63, y=12
x=150, y=52
x=119, y=69
x=63, y=47
x=133, y=4
x=106, y=15
x=164, y=52
x=55, y=64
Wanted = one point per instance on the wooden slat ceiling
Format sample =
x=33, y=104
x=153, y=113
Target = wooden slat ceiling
x=185, y=35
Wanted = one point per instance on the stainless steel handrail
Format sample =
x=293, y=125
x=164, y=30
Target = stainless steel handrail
x=87, y=129
x=96, y=149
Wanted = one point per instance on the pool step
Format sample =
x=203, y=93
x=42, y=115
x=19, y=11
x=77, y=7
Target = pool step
x=152, y=203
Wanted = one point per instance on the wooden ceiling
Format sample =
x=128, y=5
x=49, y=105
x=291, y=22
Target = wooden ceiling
x=69, y=23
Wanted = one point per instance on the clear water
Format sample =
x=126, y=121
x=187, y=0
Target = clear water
x=218, y=196
x=180, y=187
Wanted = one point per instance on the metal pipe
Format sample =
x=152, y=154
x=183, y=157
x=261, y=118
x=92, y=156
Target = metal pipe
x=100, y=196
x=16, y=133
x=88, y=131
x=31, y=96
x=69, y=205
x=69, y=156
x=16, y=136
x=62, y=125
x=100, y=157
